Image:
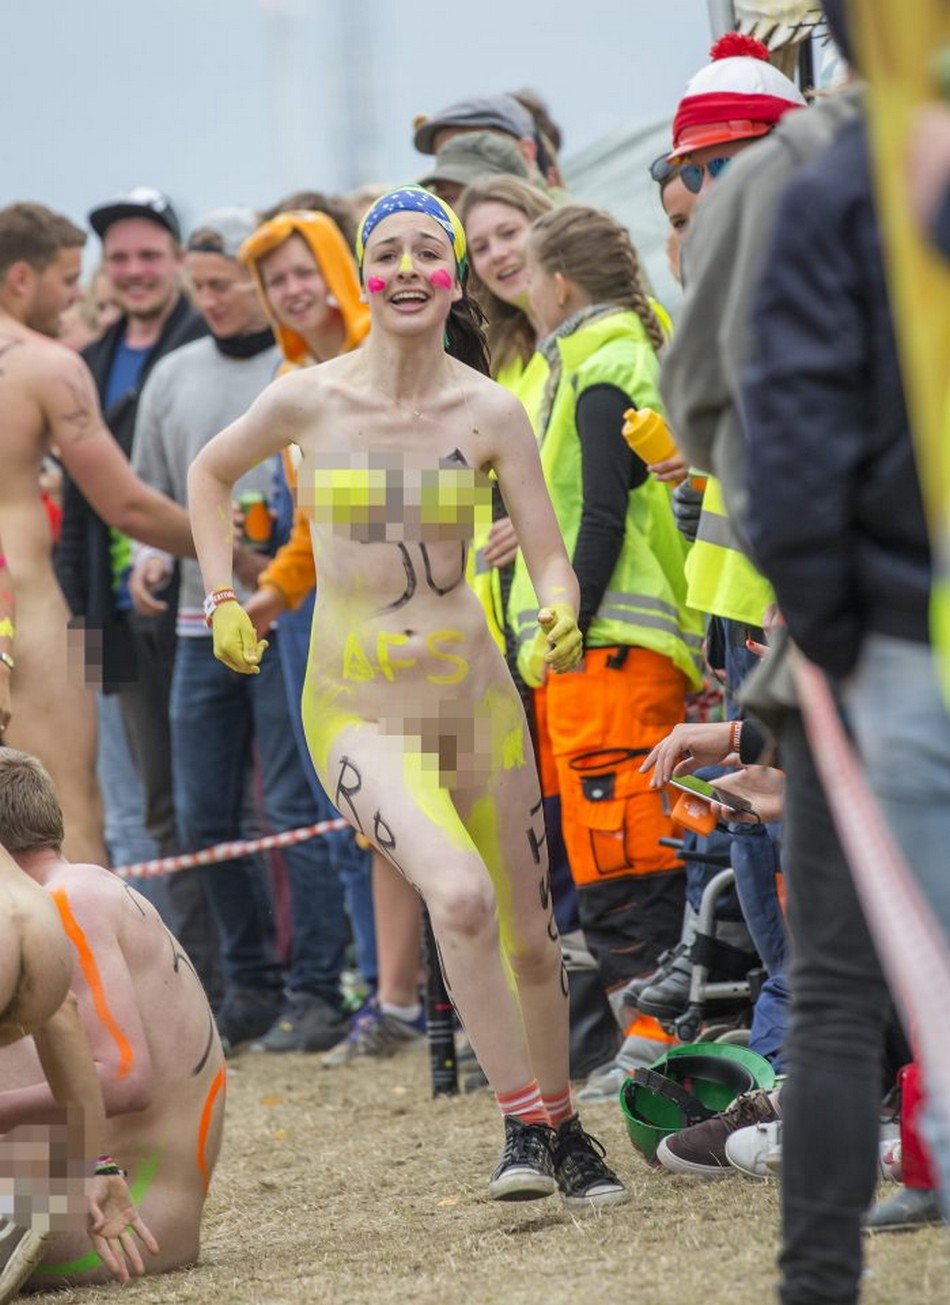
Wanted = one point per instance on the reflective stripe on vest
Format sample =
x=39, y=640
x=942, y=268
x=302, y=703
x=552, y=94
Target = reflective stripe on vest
x=722, y=580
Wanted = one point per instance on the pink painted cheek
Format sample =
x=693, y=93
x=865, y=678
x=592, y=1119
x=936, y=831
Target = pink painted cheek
x=375, y=285
x=441, y=279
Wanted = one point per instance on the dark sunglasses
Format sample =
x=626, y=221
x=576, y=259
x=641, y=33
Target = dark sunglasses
x=691, y=174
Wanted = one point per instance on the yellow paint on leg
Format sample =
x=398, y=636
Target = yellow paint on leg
x=507, y=729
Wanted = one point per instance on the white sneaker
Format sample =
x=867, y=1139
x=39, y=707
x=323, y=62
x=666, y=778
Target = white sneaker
x=749, y=1149
x=757, y=1151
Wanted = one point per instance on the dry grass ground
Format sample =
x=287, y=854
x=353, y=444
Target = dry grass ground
x=352, y=1187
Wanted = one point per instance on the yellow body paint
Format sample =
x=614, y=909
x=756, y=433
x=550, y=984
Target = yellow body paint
x=387, y=664
x=507, y=729
x=460, y=665
x=406, y=264
x=356, y=665
x=7, y=628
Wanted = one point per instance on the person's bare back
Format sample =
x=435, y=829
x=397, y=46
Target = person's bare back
x=157, y=1053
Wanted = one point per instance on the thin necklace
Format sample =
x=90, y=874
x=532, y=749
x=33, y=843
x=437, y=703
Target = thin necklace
x=418, y=413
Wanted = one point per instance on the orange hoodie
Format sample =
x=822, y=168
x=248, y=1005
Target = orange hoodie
x=292, y=571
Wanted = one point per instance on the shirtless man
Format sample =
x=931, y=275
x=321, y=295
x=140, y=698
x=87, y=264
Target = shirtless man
x=36, y=966
x=153, y=1039
x=47, y=396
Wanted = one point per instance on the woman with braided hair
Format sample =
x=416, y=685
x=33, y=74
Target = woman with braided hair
x=415, y=726
x=600, y=338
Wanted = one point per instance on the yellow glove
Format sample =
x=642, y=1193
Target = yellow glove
x=565, y=641
x=235, y=639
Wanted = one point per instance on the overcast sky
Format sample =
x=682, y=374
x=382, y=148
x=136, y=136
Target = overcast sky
x=239, y=101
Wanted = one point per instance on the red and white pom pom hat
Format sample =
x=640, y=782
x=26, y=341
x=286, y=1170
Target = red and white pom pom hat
x=736, y=97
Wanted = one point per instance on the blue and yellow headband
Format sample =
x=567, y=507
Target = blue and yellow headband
x=413, y=199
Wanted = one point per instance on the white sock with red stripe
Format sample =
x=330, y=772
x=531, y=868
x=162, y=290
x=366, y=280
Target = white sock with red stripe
x=560, y=1107
x=524, y=1103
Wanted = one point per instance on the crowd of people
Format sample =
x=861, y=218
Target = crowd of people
x=344, y=507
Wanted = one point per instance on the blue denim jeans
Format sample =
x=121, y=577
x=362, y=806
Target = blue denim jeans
x=339, y=850
x=123, y=802
x=754, y=854
x=216, y=715
x=902, y=727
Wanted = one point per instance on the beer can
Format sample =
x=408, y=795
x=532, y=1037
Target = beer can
x=258, y=520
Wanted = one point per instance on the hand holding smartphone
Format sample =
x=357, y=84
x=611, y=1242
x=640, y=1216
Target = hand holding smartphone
x=707, y=792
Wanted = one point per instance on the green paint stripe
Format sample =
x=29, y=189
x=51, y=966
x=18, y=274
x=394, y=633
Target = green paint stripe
x=86, y=1263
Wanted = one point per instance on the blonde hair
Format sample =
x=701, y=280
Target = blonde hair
x=592, y=249
x=30, y=815
x=509, y=332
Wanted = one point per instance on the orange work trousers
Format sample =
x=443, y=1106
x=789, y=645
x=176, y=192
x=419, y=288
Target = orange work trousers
x=595, y=725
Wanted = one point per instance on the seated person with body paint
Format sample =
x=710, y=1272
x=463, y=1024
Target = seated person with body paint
x=156, y=1051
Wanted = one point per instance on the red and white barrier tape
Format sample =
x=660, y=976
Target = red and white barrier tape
x=912, y=947
x=227, y=851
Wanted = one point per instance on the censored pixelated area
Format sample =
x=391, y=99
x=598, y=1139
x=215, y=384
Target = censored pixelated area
x=389, y=498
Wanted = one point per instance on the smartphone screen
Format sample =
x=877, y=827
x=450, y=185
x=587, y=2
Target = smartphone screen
x=703, y=789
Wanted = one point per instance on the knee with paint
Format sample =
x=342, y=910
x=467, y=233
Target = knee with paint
x=536, y=960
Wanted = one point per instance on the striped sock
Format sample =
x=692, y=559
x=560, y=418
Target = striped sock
x=524, y=1103
x=560, y=1107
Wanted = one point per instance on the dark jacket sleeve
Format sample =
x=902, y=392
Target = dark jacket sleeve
x=609, y=470
x=805, y=403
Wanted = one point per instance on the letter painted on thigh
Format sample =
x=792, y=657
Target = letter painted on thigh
x=348, y=784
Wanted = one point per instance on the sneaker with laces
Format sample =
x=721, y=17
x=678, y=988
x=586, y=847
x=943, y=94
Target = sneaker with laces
x=583, y=1175
x=374, y=1032
x=21, y=1250
x=526, y=1169
x=701, y=1149
x=307, y=1023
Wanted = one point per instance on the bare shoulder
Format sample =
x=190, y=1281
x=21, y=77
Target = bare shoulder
x=499, y=416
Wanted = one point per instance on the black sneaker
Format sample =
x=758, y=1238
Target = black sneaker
x=701, y=1149
x=246, y=1014
x=21, y=1250
x=583, y=1175
x=308, y=1022
x=526, y=1170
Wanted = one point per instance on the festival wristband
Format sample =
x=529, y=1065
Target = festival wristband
x=214, y=600
x=106, y=1167
x=7, y=661
x=735, y=735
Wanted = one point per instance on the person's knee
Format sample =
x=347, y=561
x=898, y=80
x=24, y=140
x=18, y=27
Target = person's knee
x=467, y=909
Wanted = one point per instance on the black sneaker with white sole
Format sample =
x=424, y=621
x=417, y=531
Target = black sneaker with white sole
x=526, y=1169
x=583, y=1175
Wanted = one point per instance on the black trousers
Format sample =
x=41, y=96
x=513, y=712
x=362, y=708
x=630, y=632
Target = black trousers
x=831, y=1102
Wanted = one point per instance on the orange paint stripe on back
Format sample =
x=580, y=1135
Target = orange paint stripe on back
x=90, y=970
x=216, y=1086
